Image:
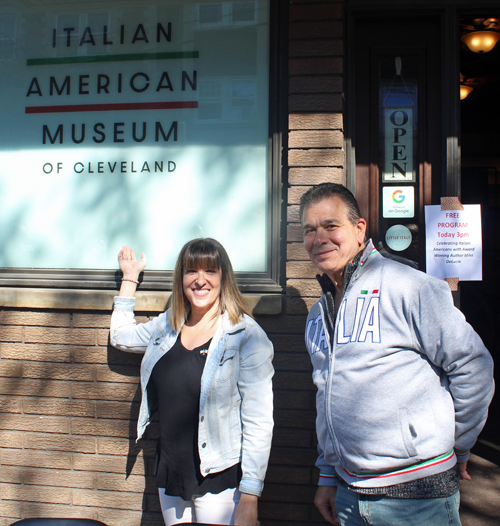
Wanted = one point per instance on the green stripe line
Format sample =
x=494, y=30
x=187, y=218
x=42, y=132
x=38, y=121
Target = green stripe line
x=409, y=468
x=112, y=58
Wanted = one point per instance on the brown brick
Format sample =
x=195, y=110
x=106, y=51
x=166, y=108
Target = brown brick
x=119, y=410
x=125, y=446
x=11, y=440
x=301, y=270
x=35, y=318
x=315, y=139
x=287, y=437
x=287, y=475
x=315, y=66
x=39, y=459
x=315, y=157
x=60, y=336
x=287, y=513
x=106, y=355
x=46, y=477
x=11, y=334
x=315, y=121
x=303, y=287
x=130, y=518
x=108, y=499
x=85, y=320
x=288, y=400
x=284, y=343
x=316, y=48
x=35, y=406
x=282, y=324
x=120, y=373
x=291, y=493
x=17, y=386
x=289, y=456
x=10, y=509
x=315, y=11
x=152, y=502
x=303, y=419
x=116, y=482
x=71, y=372
x=106, y=391
x=315, y=84
x=292, y=362
x=103, y=337
x=316, y=102
x=112, y=428
x=40, y=353
x=295, y=306
x=10, y=406
x=311, y=30
x=292, y=214
x=299, y=381
x=294, y=233
x=295, y=193
x=38, y=509
x=306, y=176
x=49, y=424
x=90, y=355
x=296, y=251
x=59, y=442
x=106, y=464
x=10, y=369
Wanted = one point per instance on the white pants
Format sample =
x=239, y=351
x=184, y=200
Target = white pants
x=209, y=508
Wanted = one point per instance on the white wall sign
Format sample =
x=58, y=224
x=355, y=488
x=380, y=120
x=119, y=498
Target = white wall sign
x=141, y=123
x=398, y=201
x=453, y=242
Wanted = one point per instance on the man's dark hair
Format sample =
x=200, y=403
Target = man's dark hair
x=324, y=191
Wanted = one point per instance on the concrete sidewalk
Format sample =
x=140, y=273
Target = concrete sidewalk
x=480, y=498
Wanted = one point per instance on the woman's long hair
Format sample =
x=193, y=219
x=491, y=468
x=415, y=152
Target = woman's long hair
x=205, y=253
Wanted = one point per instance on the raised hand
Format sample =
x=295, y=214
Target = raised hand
x=130, y=267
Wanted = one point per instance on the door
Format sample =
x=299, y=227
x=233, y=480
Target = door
x=396, y=127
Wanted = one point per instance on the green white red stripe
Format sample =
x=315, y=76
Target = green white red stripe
x=410, y=469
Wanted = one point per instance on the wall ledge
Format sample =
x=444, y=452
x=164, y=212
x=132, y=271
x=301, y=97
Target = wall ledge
x=148, y=301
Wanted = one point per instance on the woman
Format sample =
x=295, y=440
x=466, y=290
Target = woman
x=207, y=368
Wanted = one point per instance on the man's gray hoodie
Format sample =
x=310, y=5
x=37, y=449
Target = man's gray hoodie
x=405, y=383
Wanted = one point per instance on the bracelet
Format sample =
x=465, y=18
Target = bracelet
x=131, y=280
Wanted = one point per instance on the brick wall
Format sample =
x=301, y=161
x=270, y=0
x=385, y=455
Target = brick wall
x=68, y=409
x=69, y=402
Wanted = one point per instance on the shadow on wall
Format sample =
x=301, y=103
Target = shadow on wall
x=140, y=464
x=291, y=478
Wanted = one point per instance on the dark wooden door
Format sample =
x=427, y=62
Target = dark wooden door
x=395, y=115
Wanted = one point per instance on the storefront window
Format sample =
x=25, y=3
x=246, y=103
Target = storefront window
x=144, y=125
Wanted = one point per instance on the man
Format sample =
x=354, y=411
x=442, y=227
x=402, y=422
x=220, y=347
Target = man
x=404, y=383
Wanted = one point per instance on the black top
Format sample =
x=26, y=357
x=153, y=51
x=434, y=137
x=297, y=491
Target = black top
x=175, y=383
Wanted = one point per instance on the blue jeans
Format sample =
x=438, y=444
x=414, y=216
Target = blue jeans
x=355, y=509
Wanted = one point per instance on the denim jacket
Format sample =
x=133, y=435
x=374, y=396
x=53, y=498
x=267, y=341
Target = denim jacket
x=236, y=400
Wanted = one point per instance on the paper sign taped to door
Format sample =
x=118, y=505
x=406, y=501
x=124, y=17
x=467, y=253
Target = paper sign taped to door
x=454, y=242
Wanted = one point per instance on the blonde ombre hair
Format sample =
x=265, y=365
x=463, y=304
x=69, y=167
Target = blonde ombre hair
x=205, y=253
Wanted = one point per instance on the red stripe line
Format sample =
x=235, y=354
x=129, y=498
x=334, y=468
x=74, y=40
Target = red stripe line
x=403, y=472
x=112, y=107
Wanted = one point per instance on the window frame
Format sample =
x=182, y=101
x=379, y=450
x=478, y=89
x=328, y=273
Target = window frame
x=269, y=281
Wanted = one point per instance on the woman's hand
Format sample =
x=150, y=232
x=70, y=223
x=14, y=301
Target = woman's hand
x=129, y=265
x=246, y=512
x=131, y=268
